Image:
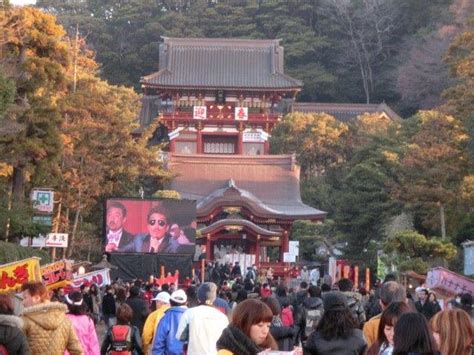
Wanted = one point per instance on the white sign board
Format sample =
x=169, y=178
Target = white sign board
x=199, y=112
x=38, y=242
x=468, y=258
x=43, y=200
x=253, y=137
x=294, y=247
x=57, y=240
x=289, y=258
x=332, y=268
x=100, y=278
x=241, y=113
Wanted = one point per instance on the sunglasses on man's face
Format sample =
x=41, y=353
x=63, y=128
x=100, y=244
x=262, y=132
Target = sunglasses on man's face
x=160, y=222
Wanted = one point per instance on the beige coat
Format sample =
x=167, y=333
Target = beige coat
x=49, y=331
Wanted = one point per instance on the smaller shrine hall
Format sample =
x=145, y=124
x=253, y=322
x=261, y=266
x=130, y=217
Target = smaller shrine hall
x=218, y=101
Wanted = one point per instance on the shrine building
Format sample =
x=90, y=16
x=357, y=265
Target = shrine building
x=218, y=101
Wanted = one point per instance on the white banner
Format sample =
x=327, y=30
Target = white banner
x=57, y=240
x=241, y=113
x=100, y=278
x=38, y=242
x=199, y=112
x=332, y=268
x=294, y=247
x=289, y=258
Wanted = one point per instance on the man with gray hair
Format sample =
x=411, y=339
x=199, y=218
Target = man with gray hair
x=391, y=291
x=202, y=326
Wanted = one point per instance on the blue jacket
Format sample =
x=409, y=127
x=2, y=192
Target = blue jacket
x=165, y=338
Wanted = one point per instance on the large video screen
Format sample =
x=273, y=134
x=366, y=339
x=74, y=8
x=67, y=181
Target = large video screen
x=150, y=226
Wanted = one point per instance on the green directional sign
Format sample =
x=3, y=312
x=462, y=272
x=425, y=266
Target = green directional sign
x=44, y=220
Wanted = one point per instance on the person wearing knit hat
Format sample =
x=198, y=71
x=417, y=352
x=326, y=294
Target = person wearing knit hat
x=162, y=300
x=336, y=332
x=202, y=326
x=335, y=301
x=165, y=341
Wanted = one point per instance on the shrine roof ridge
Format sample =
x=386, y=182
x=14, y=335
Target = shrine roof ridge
x=344, y=111
x=220, y=41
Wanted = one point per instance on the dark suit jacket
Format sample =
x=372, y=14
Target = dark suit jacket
x=168, y=245
x=125, y=240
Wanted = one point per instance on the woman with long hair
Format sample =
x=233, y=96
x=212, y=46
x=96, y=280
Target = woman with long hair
x=384, y=342
x=281, y=333
x=413, y=336
x=337, y=332
x=82, y=323
x=249, y=331
x=453, y=332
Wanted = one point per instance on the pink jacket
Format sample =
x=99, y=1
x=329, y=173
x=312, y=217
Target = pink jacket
x=85, y=331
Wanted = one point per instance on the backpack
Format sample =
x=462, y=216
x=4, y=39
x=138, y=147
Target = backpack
x=287, y=317
x=121, y=340
x=3, y=350
x=356, y=310
x=312, y=317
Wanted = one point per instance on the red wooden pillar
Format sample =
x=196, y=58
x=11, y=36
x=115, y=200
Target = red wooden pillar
x=199, y=147
x=266, y=147
x=284, y=244
x=257, y=251
x=240, y=139
x=173, y=146
x=208, y=247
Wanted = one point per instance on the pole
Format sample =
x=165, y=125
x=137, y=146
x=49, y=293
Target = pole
x=367, y=279
x=356, y=276
x=203, y=269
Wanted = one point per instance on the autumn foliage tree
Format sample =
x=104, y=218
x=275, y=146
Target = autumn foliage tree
x=316, y=139
x=433, y=166
x=74, y=132
x=410, y=250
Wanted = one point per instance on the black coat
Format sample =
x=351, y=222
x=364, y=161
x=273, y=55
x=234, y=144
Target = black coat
x=353, y=345
x=428, y=309
x=108, y=305
x=140, y=312
x=282, y=334
x=12, y=336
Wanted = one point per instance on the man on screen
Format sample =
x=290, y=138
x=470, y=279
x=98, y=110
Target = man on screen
x=117, y=237
x=158, y=240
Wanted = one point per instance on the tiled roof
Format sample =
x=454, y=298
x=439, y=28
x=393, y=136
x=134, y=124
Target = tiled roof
x=221, y=63
x=344, y=112
x=267, y=184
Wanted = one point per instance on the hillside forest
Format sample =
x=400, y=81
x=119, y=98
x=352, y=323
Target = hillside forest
x=69, y=98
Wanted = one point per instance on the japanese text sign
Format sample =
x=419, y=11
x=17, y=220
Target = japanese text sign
x=15, y=274
x=449, y=283
x=57, y=240
x=100, y=278
x=241, y=113
x=200, y=112
x=54, y=274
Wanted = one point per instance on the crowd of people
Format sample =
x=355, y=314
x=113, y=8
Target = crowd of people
x=238, y=315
